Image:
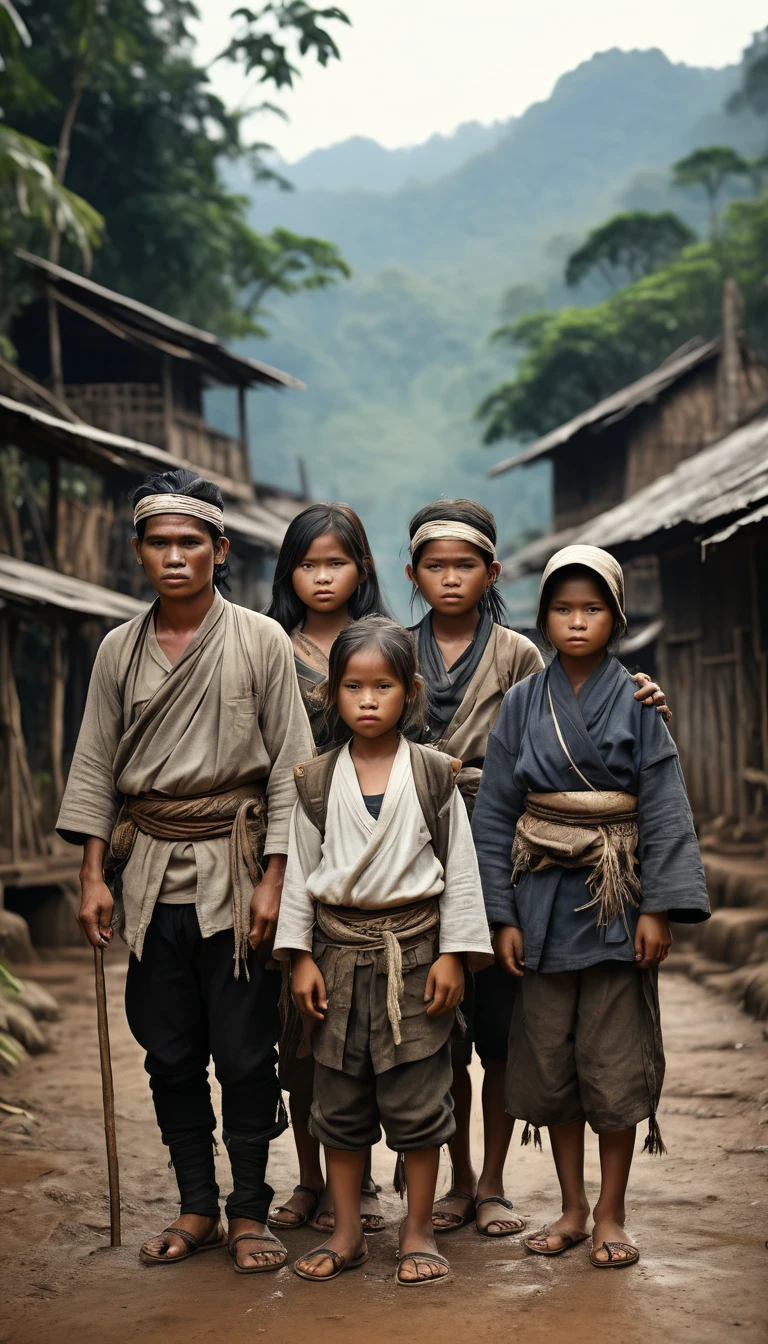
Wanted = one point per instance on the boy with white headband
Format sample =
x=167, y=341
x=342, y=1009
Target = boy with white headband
x=181, y=791
x=469, y=659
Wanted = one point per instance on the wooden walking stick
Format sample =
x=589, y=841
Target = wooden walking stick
x=108, y=1096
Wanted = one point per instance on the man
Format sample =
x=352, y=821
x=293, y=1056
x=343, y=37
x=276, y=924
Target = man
x=181, y=783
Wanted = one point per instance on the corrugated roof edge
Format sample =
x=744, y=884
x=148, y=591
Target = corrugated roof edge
x=635, y=394
x=181, y=329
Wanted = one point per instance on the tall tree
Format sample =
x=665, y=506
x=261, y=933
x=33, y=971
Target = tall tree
x=710, y=168
x=629, y=246
x=141, y=134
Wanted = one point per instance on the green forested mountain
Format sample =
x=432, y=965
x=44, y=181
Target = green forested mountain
x=397, y=359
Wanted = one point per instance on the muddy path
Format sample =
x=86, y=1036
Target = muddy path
x=700, y=1215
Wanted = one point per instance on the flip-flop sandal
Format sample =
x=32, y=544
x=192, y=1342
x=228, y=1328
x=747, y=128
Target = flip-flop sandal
x=271, y=1243
x=613, y=1262
x=545, y=1232
x=301, y=1218
x=422, y=1258
x=192, y=1244
x=340, y=1264
x=372, y=1222
x=506, y=1204
x=458, y=1220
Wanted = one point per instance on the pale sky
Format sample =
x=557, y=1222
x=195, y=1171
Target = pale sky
x=412, y=67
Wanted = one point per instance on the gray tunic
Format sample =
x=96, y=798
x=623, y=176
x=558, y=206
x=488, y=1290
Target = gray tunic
x=618, y=745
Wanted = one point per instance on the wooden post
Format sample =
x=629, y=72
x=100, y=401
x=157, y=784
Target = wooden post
x=242, y=416
x=6, y=731
x=730, y=359
x=168, y=425
x=58, y=688
x=54, y=347
x=54, y=494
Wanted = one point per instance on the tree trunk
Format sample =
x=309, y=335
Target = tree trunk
x=54, y=244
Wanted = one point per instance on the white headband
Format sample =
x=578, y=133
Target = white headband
x=442, y=529
x=168, y=503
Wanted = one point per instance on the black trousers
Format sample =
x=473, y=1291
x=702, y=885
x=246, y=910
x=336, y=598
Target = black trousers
x=183, y=1006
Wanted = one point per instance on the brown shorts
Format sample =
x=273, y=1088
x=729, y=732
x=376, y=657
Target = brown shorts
x=586, y=1045
x=412, y=1102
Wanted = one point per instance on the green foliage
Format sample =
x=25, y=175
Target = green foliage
x=148, y=142
x=710, y=168
x=576, y=356
x=629, y=246
x=258, y=45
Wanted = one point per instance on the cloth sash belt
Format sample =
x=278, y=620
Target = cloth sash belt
x=596, y=830
x=365, y=930
x=240, y=813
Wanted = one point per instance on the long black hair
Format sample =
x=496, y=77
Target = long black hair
x=184, y=482
x=398, y=647
x=474, y=515
x=306, y=527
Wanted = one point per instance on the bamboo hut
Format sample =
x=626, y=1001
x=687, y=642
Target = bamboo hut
x=130, y=402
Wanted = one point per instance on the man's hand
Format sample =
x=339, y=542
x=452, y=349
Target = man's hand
x=652, y=696
x=652, y=940
x=445, y=984
x=265, y=902
x=508, y=949
x=96, y=904
x=308, y=986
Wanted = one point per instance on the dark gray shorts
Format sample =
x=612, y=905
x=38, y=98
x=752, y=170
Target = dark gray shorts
x=412, y=1102
x=586, y=1045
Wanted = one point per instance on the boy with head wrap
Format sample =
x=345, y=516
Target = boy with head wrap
x=181, y=790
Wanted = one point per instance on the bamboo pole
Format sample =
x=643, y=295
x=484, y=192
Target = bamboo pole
x=108, y=1098
x=56, y=712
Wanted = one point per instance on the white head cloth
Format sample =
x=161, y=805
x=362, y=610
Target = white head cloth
x=168, y=503
x=443, y=529
x=591, y=557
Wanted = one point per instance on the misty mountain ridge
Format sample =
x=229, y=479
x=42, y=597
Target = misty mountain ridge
x=397, y=359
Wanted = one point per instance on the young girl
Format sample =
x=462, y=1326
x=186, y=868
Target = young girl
x=469, y=659
x=380, y=903
x=325, y=577
x=579, y=787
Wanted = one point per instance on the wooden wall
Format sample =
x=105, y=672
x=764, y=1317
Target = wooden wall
x=713, y=659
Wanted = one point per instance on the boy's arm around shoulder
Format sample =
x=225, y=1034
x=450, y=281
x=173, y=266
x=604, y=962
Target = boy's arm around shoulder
x=463, y=922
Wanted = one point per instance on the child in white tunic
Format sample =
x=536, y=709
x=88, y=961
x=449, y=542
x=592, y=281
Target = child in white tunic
x=381, y=903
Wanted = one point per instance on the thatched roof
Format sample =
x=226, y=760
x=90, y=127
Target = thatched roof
x=719, y=486
x=618, y=405
x=36, y=586
x=147, y=326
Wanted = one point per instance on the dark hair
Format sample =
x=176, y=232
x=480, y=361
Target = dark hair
x=398, y=647
x=306, y=527
x=474, y=515
x=184, y=482
x=579, y=572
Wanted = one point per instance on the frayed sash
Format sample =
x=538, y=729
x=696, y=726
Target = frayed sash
x=596, y=830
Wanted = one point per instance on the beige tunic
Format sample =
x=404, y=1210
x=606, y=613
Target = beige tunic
x=227, y=713
x=508, y=658
x=381, y=865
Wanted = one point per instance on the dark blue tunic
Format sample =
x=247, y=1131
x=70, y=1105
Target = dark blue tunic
x=617, y=744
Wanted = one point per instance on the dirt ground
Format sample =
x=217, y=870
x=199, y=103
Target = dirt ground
x=699, y=1214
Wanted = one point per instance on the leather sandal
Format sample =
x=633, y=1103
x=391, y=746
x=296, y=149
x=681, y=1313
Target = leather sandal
x=506, y=1204
x=422, y=1258
x=568, y=1239
x=191, y=1242
x=613, y=1262
x=301, y=1218
x=458, y=1219
x=269, y=1244
x=339, y=1261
